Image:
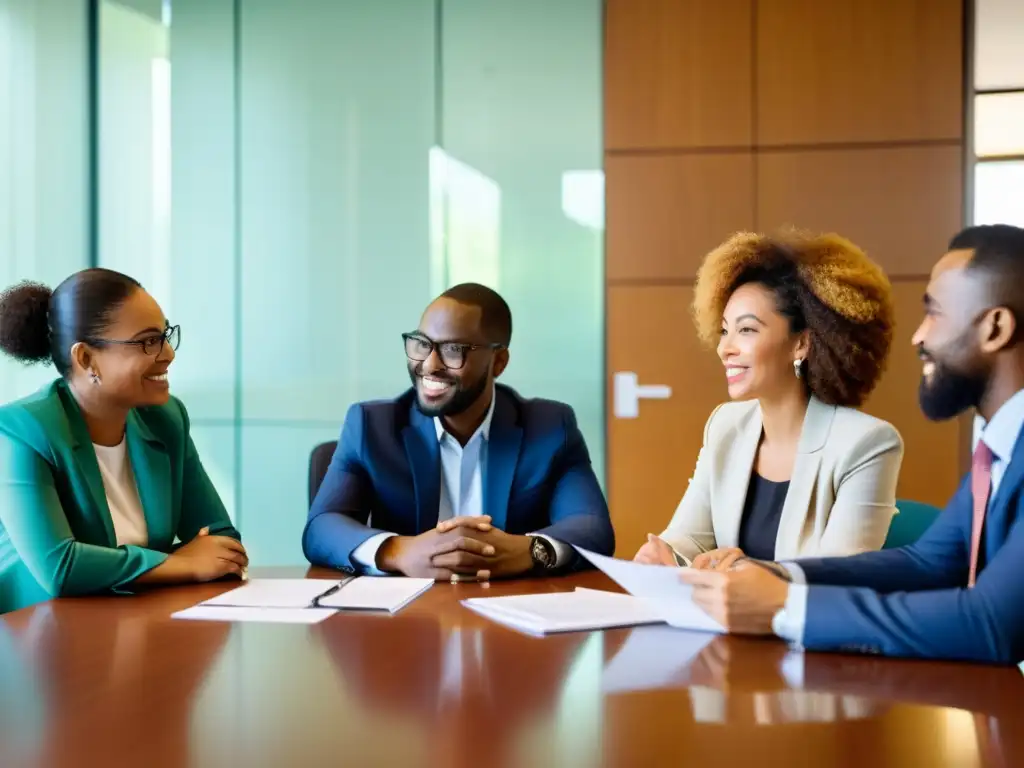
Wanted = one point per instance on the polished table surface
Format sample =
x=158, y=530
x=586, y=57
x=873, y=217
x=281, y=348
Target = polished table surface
x=114, y=681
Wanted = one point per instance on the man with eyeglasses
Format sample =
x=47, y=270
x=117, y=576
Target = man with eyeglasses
x=459, y=477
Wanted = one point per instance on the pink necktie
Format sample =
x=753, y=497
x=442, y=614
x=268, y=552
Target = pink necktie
x=981, y=483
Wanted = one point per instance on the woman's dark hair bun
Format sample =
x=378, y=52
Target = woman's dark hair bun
x=24, y=324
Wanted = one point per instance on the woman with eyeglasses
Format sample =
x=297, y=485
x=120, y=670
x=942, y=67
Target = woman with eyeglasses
x=101, y=488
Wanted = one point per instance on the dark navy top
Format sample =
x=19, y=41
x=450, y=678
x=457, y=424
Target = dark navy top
x=761, y=514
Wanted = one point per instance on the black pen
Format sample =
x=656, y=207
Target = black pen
x=331, y=591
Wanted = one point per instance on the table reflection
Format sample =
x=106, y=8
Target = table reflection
x=473, y=692
x=87, y=683
x=749, y=685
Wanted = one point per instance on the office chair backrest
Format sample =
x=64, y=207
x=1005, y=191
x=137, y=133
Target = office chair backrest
x=319, y=461
x=913, y=519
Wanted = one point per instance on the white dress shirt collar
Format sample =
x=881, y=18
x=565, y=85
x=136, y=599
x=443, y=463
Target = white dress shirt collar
x=484, y=430
x=1001, y=433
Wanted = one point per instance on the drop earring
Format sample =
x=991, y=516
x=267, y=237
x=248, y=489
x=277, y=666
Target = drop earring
x=796, y=368
x=95, y=378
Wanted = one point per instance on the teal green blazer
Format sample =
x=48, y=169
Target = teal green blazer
x=56, y=532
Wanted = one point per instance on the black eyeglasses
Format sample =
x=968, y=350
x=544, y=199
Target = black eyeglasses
x=452, y=353
x=151, y=345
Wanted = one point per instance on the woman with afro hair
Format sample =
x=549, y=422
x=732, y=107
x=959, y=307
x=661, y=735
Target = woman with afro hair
x=803, y=325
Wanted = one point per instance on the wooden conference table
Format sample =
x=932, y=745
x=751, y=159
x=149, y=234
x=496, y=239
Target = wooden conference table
x=116, y=682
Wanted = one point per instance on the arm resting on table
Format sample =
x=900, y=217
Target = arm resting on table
x=938, y=560
x=336, y=525
x=578, y=511
x=33, y=518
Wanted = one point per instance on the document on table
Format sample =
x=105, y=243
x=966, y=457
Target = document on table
x=660, y=586
x=308, y=600
x=376, y=593
x=265, y=615
x=275, y=593
x=552, y=612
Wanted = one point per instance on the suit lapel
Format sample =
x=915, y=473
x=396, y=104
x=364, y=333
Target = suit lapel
x=152, y=469
x=502, y=457
x=997, y=524
x=88, y=468
x=424, y=456
x=817, y=423
x=739, y=472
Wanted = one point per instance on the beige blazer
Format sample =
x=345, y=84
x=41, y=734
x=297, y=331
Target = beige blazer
x=842, y=493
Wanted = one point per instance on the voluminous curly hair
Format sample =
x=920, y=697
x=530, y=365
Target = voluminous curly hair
x=823, y=284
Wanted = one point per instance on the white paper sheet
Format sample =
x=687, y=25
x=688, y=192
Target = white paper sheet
x=274, y=593
x=377, y=593
x=652, y=658
x=266, y=615
x=550, y=612
x=660, y=585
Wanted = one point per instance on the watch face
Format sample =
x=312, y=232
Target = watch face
x=541, y=553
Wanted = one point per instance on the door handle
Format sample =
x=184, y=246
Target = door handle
x=628, y=391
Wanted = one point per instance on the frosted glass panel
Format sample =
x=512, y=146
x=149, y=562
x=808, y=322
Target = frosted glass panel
x=296, y=183
x=166, y=112
x=521, y=126
x=999, y=193
x=216, y=447
x=998, y=48
x=44, y=188
x=275, y=473
x=999, y=124
x=202, y=292
x=337, y=122
x=135, y=146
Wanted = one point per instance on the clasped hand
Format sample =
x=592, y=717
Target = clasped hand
x=461, y=548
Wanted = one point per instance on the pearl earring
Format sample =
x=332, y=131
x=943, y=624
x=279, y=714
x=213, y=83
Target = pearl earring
x=796, y=368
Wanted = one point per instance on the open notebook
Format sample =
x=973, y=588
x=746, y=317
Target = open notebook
x=308, y=600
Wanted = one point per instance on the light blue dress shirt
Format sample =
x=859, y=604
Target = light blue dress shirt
x=462, y=488
x=1000, y=435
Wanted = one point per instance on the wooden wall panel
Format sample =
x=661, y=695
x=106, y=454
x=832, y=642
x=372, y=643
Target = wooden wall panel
x=931, y=461
x=665, y=212
x=678, y=73
x=652, y=457
x=900, y=204
x=858, y=70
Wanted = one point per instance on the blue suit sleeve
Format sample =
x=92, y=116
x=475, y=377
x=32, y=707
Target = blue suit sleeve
x=578, y=512
x=938, y=560
x=984, y=623
x=337, y=522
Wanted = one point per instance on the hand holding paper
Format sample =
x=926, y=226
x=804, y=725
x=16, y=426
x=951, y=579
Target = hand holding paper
x=743, y=600
x=659, y=585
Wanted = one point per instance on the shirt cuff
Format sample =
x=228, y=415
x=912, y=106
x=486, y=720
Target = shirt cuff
x=796, y=573
x=789, y=622
x=365, y=554
x=563, y=552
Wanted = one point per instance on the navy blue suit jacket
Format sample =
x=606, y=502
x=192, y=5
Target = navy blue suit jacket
x=913, y=601
x=386, y=477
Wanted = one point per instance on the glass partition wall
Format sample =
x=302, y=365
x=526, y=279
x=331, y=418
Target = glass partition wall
x=295, y=181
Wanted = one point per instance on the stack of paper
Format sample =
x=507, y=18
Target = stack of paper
x=657, y=595
x=584, y=609
x=307, y=601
